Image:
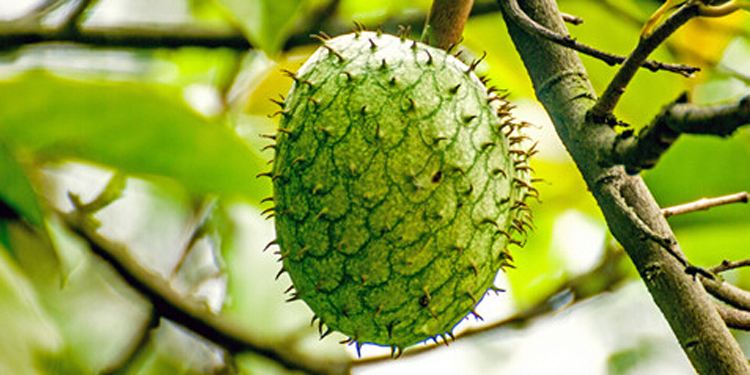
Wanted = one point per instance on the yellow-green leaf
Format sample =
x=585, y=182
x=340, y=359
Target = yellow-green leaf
x=129, y=126
x=16, y=190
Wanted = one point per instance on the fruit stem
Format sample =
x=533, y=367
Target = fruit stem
x=445, y=22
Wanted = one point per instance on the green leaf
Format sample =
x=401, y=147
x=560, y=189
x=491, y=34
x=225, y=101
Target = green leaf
x=28, y=330
x=16, y=190
x=266, y=23
x=627, y=360
x=377, y=12
x=129, y=126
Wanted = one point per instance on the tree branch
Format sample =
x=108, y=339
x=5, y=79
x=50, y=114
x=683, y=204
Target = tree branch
x=39, y=11
x=188, y=313
x=734, y=318
x=445, y=22
x=561, y=84
x=74, y=19
x=728, y=293
x=643, y=151
x=728, y=265
x=530, y=26
x=572, y=19
x=705, y=204
x=128, y=37
x=19, y=33
x=602, y=110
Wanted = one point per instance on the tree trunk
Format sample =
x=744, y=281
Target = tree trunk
x=561, y=84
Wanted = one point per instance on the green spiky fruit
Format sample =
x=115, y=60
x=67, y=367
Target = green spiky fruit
x=399, y=183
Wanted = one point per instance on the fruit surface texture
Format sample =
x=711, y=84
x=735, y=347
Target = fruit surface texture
x=399, y=182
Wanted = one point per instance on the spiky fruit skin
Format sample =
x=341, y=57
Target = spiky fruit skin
x=396, y=189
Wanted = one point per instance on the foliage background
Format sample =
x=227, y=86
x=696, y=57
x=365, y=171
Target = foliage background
x=183, y=124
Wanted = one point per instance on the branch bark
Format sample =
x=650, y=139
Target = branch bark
x=602, y=110
x=514, y=11
x=127, y=37
x=680, y=117
x=190, y=314
x=561, y=84
x=727, y=293
x=727, y=265
x=705, y=204
x=734, y=318
x=445, y=22
x=19, y=33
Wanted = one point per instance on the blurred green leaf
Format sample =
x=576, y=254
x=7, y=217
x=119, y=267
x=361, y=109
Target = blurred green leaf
x=60, y=363
x=87, y=306
x=251, y=279
x=16, y=190
x=27, y=330
x=626, y=361
x=708, y=245
x=267, y=23
x=128, y=126
x=539, y=270
x=701, y=166
x=374, y=12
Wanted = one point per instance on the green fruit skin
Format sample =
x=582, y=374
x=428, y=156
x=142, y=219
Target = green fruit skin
x=394, y=187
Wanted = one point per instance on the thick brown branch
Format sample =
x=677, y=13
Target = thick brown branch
x=445, y=22
x=705, y=204
x=602, y=110
x=530, y=26
x=188, y=313
x=722, y=119
x=734, y=318
x=728, y=293
x=643, y=151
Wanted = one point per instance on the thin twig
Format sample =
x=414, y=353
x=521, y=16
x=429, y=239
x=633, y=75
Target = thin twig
x=76, y=16
x=579, y=288
x=194, y=230
x=19, y=33
x=191, y=314
x=705, y=204
x=39, y=11
x=727, y=265
x=675, y=49
x=162, y=36
x=572, y=19
x=678, y=117
x=602, y=110
x=534, y=28
x=734, y=318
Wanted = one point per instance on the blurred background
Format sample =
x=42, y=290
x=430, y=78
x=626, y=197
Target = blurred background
x=147, y=113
